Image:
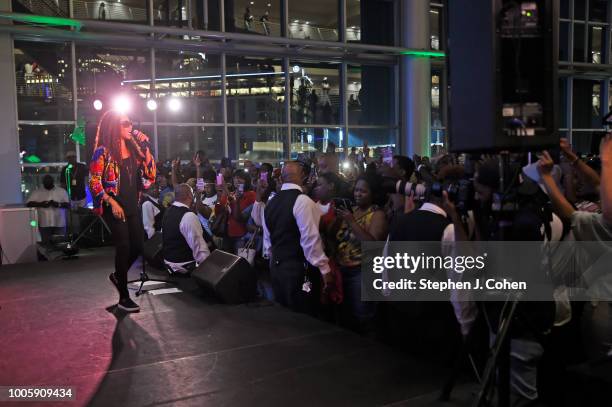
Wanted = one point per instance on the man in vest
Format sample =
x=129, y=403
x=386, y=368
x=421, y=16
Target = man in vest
x=152, y=212
x=437, y=221
x=291, y=237
x=183, y=243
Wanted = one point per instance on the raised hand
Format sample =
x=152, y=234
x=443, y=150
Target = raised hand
x=545, y=164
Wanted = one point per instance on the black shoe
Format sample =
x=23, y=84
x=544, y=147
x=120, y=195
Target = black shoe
x=114, y=281
x=128, y=305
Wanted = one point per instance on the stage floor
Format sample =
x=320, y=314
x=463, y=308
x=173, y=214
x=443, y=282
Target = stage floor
x=183, y=349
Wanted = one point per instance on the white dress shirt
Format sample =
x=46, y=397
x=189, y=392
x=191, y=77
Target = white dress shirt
x=149, y=212
x=307, y=216
x=461, y=300
x=50, y=217
x=257, y=213
x=191, y=229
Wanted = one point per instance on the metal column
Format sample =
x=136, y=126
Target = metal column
x=415, y=114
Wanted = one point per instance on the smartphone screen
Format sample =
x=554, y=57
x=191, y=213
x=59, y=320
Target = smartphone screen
x=220, y=180
x=264, y=176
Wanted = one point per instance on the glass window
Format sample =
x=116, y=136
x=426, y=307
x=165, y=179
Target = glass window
x=188, y=87
x=435, y=22
x=564, y=41
x=45, y=143
x=113, y=76
x=579, y=9
x=313, y=20
x=32, y=177
x=437, y=121
x=370, y=94
x=43, y=73
x=374, y=137
x=255, y=90
x=586, y=141
x=170, y=12
x=579, y=36
x=562, y=117
x=184, y=141
x=261, y=17
x=564, y=9
x=371, y=22
x=310, y=140
x=315, y=92
x=124, y=11
x=57, y=8
x=586, y=104
x=353, y=20
x=598, y=10
x=257, y=144
x=595, y=44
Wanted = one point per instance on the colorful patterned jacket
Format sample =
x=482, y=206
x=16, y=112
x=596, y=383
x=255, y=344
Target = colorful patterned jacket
x=104, y=172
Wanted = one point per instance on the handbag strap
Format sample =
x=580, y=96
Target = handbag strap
x=251, y=241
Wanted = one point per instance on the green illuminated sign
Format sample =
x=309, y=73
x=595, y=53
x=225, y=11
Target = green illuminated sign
x=430, y=54
x=44, y=20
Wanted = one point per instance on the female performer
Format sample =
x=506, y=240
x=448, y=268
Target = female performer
x=121, y=167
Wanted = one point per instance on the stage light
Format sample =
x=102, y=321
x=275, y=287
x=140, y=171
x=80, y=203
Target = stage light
x=151, y=104
x=122, y=104
x=97, y=104
x=174, y=105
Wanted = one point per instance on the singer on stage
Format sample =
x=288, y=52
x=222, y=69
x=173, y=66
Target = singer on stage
x=121, y=167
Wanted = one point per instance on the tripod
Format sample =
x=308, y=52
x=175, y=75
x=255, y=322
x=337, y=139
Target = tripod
x=144, y=277
x=498, y=361
x=89, y=227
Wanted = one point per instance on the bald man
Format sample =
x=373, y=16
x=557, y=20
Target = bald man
x=183, y=247
x=291, y=237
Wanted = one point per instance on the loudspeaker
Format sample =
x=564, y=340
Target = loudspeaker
x=503, y=75
x=152, y=251
x=228, y=276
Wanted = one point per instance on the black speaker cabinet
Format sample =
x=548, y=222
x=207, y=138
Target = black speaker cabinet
x=152, y=251
x=228, y=276
x=502, y=74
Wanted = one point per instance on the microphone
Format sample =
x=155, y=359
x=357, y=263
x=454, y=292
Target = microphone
x=141, y=142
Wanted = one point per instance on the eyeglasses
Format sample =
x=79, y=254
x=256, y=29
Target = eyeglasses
x=126, y=124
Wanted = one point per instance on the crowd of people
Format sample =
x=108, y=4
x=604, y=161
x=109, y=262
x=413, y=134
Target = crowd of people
x=301, y=225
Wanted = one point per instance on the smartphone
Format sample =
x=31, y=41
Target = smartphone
x=343, y=203
x=220, y=180
x=264, y=176
x=200, y=184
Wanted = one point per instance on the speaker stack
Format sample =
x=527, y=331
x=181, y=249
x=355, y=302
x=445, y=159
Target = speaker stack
x=502, y=61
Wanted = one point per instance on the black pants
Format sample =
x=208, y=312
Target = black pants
x=287, y=280
x=128, y=238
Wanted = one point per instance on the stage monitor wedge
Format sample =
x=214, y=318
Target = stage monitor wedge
x=502, y=60
x=229, y=277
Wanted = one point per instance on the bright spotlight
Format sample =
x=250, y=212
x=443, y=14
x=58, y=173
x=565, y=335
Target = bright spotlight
x=122, y=104
x=346, y=165
x=174, y=105
x=97, y=104
x=151, y=104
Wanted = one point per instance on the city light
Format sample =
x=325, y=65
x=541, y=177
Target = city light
x=174, y=105
x=97, y=104
x=151, y=104
x=122, y=104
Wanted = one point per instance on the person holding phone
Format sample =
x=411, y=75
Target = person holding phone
x=122, y=165
x=365, y=222
x=206, y=194
x=236, y=203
